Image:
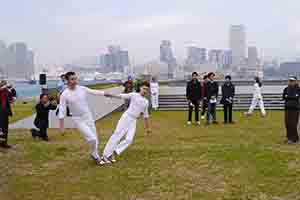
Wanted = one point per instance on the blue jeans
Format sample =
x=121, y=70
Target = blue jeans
x=211, y=112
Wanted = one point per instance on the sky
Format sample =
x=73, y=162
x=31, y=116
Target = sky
x=59, y=31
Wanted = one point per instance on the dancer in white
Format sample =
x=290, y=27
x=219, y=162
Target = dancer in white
x=257, y=99
x=154, y=87
x=127, y=124
x=75, y=97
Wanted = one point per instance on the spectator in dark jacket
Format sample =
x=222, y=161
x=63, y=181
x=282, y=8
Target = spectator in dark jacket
x=204, y=96
x=291, y=96
x=212, y=90
x=228, y=92
x=42, y=117
x=193, y=95
x=5, y=113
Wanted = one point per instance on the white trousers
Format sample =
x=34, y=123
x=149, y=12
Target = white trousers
x=260, y=102
x=126, y=127
x=86, y=125
x=154, y=100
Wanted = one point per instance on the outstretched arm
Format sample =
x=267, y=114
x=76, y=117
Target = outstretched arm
x=118, y=96
x=95, y=92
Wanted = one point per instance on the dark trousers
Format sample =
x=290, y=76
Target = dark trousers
x=4, y=130
x=291, y=122
x=227, y=113
x=204, y=107
x=211, y=112
x=42, y=133
x=191, y=108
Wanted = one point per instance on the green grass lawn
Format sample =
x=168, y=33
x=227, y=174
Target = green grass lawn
x=22, y=109
x=246, y=161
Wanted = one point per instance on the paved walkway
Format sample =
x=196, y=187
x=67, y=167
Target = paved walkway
x=100, y=106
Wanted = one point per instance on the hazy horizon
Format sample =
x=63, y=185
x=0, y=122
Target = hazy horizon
x=60, y=31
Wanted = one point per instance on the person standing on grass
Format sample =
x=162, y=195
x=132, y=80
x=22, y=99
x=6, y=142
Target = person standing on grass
x=75, y=97
x=154, y=88
x=228, y=92
x=204, y=96
x=291, y=97
x=257, y=98
x=5, y=113
x=126, y=127
x=193, y=95
x=212, y=90
x=42, y=117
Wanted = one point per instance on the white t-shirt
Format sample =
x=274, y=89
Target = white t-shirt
x=77, y=101
x=154, y=87
x=138, y=105
x=257, y=91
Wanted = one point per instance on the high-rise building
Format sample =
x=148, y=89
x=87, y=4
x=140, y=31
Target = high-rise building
x=166, y=56
x=238, y=44
x=196, y=56
x=116, y=60
x=227, y=58
x=252, y=57
x=216, y=56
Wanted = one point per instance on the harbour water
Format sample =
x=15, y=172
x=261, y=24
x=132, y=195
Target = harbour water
x=26, y=90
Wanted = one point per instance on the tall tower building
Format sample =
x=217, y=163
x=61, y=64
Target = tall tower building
x=196, y=55
x=238, y=44
x=252, y=57
x=166, y=56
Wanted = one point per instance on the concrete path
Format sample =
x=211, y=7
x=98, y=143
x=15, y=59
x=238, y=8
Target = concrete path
x=100, y=106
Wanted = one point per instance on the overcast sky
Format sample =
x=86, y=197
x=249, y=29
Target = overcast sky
x=62, y=30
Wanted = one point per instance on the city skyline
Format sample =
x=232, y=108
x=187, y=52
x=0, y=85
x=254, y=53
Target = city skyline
x=61, y=31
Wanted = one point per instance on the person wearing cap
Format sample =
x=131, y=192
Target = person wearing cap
x=228, y=92
x=291, y=96
x=193, y=95
x=5, y=113
x=212, y=90
x=204, y=96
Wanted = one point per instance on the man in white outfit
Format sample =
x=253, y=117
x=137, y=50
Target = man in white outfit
x=154, y=87
x=127, y=124
x=75, y=97
x=257, y=99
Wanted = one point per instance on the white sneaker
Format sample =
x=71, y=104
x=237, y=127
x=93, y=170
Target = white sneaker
x=104, y=161
x=198, y=123
x=203, y=117
x=189, y=123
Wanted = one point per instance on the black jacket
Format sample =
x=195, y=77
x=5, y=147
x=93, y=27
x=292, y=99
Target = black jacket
x=228, y=92
x=193, y=90
x=5, y=112
x=291, y=96
x=212, y=89
x=42, y=115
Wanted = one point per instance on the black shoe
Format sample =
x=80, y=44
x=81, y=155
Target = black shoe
x=215, y=122
x=46, y=139
x=33, y=133
x=5, y=146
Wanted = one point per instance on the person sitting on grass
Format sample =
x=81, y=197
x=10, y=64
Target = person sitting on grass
x=42, y=117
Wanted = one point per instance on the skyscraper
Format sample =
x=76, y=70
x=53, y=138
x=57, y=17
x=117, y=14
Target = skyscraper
x=116, y=60
x=196, y=55
x=216, y=57
x=252, y=57
x=166, y=56
x=227, y=58
x=238, y=44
